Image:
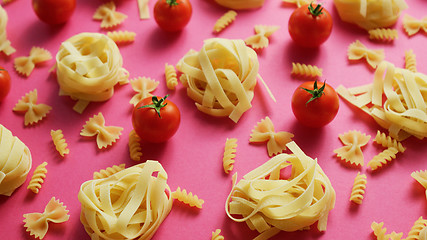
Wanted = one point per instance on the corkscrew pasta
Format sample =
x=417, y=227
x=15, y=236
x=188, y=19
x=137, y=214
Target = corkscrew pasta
x=38, y=177
x=387, y=142
x=383, y=158
x=105, y=135
x=33, y=112
x=229, y=154
x=25, y=65
x=357, y=50
x=135, y=150
x=105, y=173
x=421, y=177
x=143, y=86
x=352, y=151
x=38, y=223
x=383, y=34
x=413, y=25
x=216, y=235
x=170, y=76
x=260, y=39
x=410, y=61
x=59, y=142
x=380, y=232
x=306, y=70
x=358, y=190
x=416, y=229
x=188, y=198
x=131, y=203
x=15, y=162
x=224, y=21
x=108, y=15
x=5, y=45
x=122, y=36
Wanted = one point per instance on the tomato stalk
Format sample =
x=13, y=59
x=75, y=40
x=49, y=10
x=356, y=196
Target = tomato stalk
x=157, y=104
x=316, y=92
x=315, y=11
x=172, y=3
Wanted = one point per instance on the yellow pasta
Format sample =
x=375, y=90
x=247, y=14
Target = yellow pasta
x=306, y=70
x=387, y=141
x=187, y=198
x=144, y=12
x=105, y=135
x=25, y=65
x=240, y=4
x=384, y=34
x=7, y=1
x=33, y=112
x=122, y=36
x=38, y=177
x=380, y=232
x=413, y=25
x=143, y=86
x=108, y=15
x=352, y=151
x=135, y=150
x=38, y=223
x=419, y=225
x=410, y=61
x=299, y=3
x=105, y=173
x=170, y=76
x=383, y=158
x=224, y=21
x=357, y=50
x=5, y=45
x=229, y=154
x=421, y=177
x=260, y=39
x=423, y=234
x=59, y=141
x=216, y=235
x=358, y=189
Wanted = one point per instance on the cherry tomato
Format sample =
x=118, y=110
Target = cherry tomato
x=172, y=15
x=313, y=106
x=155, y=120
x=4, y=83
x=54, y=11
x=310, y=25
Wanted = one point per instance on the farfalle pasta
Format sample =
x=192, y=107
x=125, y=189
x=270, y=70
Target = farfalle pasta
x=270, y=204
x=357, y=51
x=38, y=177
x=224, y=21
x=108, y=15
x=135, y=150
x=105, y=135
x=122, y=36
x=260, y=39
x=229, y=154
x=276, y=141
x=241, y=4
x=105, y=173
x=59, y=142
x=387, y=142
x=88, y=66
x=413, y=25
x=188, y=198
x=143, y=86
x=383, y=158
x=352, y=151
x=15, y=162
x=410, y=61
x=221, y=77
x=38, y=223
x=130, y=204
x=25, y=65
x=170, y=76
x=5, y=45
x=358, y=189
x=383, y=34
x=34, y=112
x=421, y=177
x=306, y=70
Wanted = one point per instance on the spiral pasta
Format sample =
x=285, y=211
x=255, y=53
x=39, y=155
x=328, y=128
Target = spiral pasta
x=143, y=86
x=105, y=135
x=271, y=204
x=380, y=232
x=5, y=45
x=221, y=77
x=135, y=150
x=33, y=112
x=224, y=21
x=188, y=198
x=357, y=50
x=229, y=154
x=260, y=39
x=130, y=204
x=352, y=151
x=387, y=141
x=25, y=65
x=216, y=235
x=384, y=34
x=38, y=177
x=413, y=25
x=108, y=15
x=105, y=173
x=383, y=158
x=410, y=61
x=419, y=225
x=306, y=70
x=88, y=66
x=170, y=76
x=122, y=36
x=358, y=189
x=59, y=142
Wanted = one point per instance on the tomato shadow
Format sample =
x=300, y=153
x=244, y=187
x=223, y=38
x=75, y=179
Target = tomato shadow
x=162, y=40
x=296, y=53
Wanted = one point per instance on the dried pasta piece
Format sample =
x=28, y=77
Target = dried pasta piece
x=130, y=204
x=269, y=203
x=306, y=70
x=38, y=177
x=59, y=141
x=380, y=232
x=410, y=61
x=387, y=141
x=421, y=177
x=135, y=150
x=262, y=33
x=105, y=173
x=383, y=158
x=224, y=21
x=358, y=189
x=143, y=86
x=25, y=65
x=423, y=234
x=38, y=223
x=240, y=4
x=216, y=235
x=383, y=34
x=105, y=135
x=352, y=151
x=144, y=12
x=357, y=50
x=108, y=15
x=33, y=112
x=299, y=3
x=416, y=229
x=276, y=141
x=170, y=76
x=229, y=154
x=5, y=45
x=122, y=36
x=187, y=198
x=413, y=25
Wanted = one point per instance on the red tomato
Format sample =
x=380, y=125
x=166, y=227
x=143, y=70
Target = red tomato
x=54, y=11
x=155, y=120
x=315, y=107
x=310, y=25
x=4, y=83
x=172, y=15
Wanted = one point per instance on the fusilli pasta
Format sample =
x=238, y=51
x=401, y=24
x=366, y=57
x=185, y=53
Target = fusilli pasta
x=358, y=189
x=224, y=21
x=59, y=141
x=384, y=34
x=122, y=36
x=187, y=198
x=108, y=15
x=25, y=65
x=38, y=177
x=229, y=154
x=105, y=135
x=352, y=151
x=135, y=150
x=357, y=50
x=143, y=86
x=387, y=141
x=105, y=173
x=33, y=112
x=416, y=229
x=410, y=61
x=170, y=76
x=216, y=235
x=383, y=158
x=306, y=70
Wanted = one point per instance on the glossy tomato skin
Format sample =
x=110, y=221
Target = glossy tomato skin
x=307, y=30
x=4, y=83
x=318, y=112
x=150, y=127
x=54, y=12
x=172, y=18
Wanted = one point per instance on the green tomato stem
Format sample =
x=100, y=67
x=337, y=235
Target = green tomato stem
x=315, y=11
x=316, y=92
x=157, y=104
x=172, y=3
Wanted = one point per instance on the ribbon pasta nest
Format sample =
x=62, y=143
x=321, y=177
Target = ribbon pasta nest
x=269, y=203
x=221, y=77
x=89, y=65
x=130, y=204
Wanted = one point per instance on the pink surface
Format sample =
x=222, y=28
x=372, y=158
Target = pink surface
x=193, y=156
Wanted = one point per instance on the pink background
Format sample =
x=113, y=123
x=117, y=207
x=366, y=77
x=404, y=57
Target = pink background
x=193, y=156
